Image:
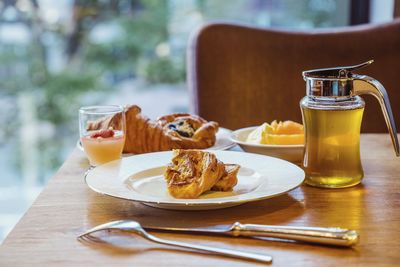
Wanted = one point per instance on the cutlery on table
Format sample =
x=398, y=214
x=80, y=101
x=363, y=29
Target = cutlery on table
x=136, y=228
x=317, y=235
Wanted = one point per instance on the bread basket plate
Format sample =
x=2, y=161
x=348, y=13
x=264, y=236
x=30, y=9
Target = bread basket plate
x=292, y=153
x=223, y=141
x=140, y=178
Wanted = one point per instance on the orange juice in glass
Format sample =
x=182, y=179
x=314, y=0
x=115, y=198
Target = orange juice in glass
x=102, y=143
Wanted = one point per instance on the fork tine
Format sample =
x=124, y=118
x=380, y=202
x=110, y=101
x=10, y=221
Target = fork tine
x=101, y=227
x=91, y=239
x=91, y=231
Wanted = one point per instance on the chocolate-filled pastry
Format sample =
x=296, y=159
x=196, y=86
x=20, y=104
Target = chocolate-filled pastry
x=191, y=130
x=168, y=132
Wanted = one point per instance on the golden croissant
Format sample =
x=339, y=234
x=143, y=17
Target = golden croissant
x=228, y=179
x=168, y=132
x=193, y=172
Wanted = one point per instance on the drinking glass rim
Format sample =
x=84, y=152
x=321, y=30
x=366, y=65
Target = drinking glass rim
x=101, y=109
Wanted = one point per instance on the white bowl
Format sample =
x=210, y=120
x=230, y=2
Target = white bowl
x=292, y=153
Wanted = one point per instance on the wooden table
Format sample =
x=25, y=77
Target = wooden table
x=46, y=235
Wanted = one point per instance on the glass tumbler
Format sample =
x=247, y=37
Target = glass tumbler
x=102, y=132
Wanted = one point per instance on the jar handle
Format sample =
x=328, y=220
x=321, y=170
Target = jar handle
x=363, y=84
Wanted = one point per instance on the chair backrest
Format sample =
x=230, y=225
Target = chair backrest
x=241, y=76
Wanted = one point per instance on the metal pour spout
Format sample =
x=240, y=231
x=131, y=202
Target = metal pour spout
x=363, y=84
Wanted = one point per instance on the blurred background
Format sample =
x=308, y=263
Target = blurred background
x=58, y=55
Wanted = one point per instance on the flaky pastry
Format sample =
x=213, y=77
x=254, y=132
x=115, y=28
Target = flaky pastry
x=168, y=132
x=193, y=172
x=228, y=179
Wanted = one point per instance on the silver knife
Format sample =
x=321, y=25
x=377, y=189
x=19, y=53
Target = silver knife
x=318, y=235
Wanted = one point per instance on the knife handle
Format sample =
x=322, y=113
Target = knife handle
x=319, y=235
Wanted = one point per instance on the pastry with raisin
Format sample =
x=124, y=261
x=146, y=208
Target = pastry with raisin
x=168, y=132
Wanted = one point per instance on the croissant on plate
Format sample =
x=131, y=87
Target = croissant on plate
x=228, y=180
x=180, y=130
x=193, y=172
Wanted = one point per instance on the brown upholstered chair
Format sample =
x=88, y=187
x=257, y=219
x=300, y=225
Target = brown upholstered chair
x=242, y=76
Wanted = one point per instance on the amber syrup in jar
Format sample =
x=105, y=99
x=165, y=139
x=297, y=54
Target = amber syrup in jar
x=332, y=141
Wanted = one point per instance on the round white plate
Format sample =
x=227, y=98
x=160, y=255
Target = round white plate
x=292, y=153
x=223, y=141
x=140, y=178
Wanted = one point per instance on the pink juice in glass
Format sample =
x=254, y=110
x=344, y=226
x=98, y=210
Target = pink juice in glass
x=103, y=146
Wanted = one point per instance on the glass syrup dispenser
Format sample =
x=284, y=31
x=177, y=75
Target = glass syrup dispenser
x=332, y=113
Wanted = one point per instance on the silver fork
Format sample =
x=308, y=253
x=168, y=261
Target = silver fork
x=136, y=228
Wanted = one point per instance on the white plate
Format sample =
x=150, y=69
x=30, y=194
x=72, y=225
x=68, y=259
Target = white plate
x=292, y=153
x=223, y=141
x=140, y=178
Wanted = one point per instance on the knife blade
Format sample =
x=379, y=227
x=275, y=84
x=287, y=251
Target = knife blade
x=318, y=235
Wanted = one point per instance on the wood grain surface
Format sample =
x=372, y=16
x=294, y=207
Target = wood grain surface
x=46, y=235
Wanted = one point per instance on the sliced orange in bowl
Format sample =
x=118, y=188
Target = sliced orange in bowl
x=278, y=133
x=287, y=127
x=285, y=139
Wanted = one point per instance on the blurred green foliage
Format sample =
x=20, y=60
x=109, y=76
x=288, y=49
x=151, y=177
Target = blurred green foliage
x=62, y=91
x=164, y=70
x=91, y=63
x=141, y=32
x=89, y=69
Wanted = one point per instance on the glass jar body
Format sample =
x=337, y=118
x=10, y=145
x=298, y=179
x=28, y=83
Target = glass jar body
x=332, y=141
